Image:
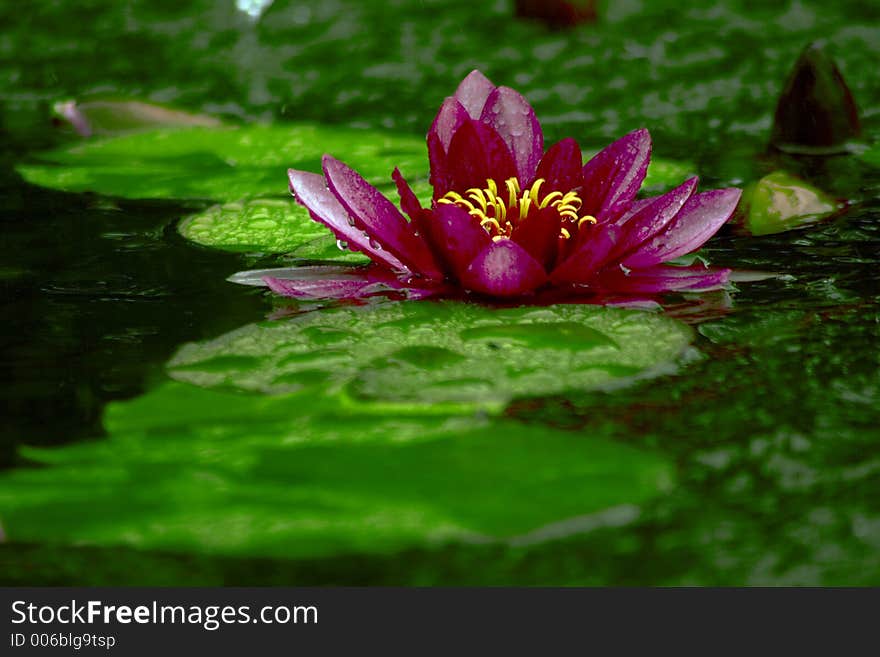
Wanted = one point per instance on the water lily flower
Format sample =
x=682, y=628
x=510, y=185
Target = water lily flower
x=507, y=219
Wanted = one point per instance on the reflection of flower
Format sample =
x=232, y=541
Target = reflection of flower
x=509, y=220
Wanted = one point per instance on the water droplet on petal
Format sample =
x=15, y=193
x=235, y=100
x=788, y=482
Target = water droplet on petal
x=375, y=245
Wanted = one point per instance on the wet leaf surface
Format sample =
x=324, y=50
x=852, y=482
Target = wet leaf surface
x=433, y=354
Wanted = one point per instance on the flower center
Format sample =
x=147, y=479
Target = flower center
x=500, y=211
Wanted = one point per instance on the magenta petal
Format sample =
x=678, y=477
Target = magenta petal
x=613, y=177
x=561, y=166
x=653, y=217
x=440, y=178
x=456, y=236
x=538, y=234
x=473, y=92
x=504, y=269
x=378, y=216
x=587, y=259
x=476, y=154
x=408, y=200
x=449, y=118
x=698, y=220
x=663, y=278
x=514, y=120
x=310, y=190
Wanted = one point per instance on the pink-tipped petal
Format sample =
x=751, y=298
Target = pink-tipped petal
x=408, y=200
x=449, y=118
x=476, y=154
x=612, y=178
x=504, y=269
x=698, y=220
x=456, y=236
x=311, y=191
x=473, y=92
x=510, y=114
x=663, y=278
x=653, y=217
x=379, y=217
x=561, y=166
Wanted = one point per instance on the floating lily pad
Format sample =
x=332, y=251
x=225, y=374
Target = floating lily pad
x=664, y=174
x=435, y=353
x=265, y=225
x=219, y=164
x=272, y=226
x=780, y=202
x=229, y=480
x=240, y=164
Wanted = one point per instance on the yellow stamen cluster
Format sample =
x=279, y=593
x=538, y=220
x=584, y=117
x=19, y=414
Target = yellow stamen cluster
x=499, y=213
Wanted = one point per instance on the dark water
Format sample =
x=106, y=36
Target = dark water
x=773, y=433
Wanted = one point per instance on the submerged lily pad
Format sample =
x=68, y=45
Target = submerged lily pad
x=222, y=164
x=435, y=353
x=230, y=480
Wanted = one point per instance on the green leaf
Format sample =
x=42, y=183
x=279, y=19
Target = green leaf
x=220, y=164
x=239, y=164
x=780, y=202
x=664, y=174
x=430, y=353
x=253, y=475
x=265, y=225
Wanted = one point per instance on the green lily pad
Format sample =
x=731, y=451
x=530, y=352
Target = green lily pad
x=227, y=480
x=664, y=174
x=239, y=164
x=222, y=164
x=265, y=225
x=433, y=353
x=780, y=202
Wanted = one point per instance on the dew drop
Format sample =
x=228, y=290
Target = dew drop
x=375, y=245
x=341, y=245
